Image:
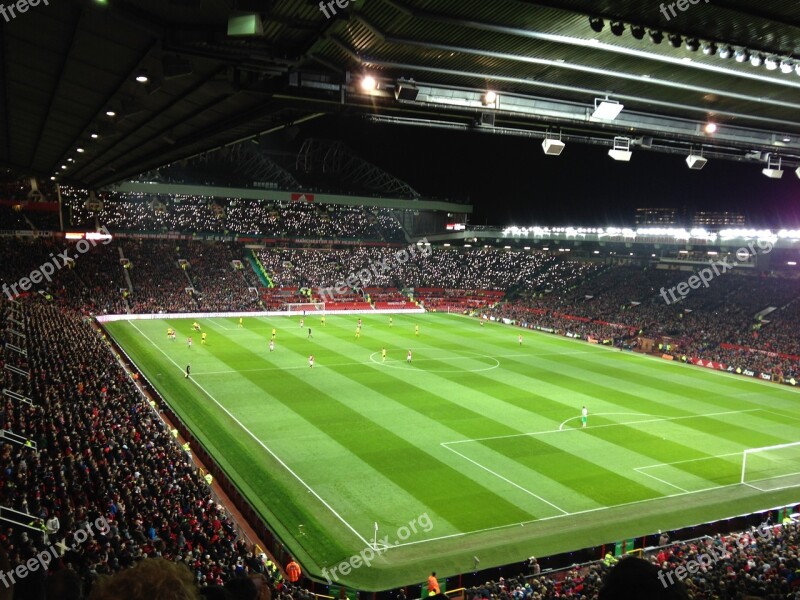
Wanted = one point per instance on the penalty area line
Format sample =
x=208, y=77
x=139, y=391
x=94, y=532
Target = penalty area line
x=516, y=485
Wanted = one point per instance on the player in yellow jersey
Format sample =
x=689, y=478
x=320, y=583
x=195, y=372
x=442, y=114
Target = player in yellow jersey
x=240, y=322
x=416, y=329
x=169, y=332
x=358, y=332
x=273, y=333
x=203, y=338
x=322, y=320
x=383, y=354
x=391, y=321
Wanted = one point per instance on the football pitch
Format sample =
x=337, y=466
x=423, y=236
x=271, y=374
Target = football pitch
x=475, y=448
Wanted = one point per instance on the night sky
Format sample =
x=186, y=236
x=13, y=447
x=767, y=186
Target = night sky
x=510, y=181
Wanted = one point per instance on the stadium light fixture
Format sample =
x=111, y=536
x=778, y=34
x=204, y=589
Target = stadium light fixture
x=711, y=127
x=756, y=60
x=621, y=150
x=606, y=109
x=656, y=37
x=675, y=40
x=596, y=23
x=742, y=55
x=773, y=169
x=617, y=28
x=787, y=66
x=709, y=48
x=368, y=83
x=725, y=52
x=692, y=44
x=489, y=98
x=637, y=31
x=696, y=161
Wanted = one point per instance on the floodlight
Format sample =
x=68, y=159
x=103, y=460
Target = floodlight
x=709, y=48
x=368, y=83
x=596, y=23
x=773, y=169
x=606, y=109
x=621, y=150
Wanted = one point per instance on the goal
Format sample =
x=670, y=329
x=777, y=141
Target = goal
x=772, y=467
x=308, y=307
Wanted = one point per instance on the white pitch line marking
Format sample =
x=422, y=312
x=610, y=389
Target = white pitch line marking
x=499, y=437
x=487, y=469
x=262, y=444
x=659, y=479
x=561, y=427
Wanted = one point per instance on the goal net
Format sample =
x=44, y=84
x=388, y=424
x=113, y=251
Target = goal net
x=772, y=467
x=307, y=307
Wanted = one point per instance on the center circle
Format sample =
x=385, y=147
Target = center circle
x=454, y=355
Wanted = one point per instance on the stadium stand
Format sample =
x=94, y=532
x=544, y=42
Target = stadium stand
x=107, y=449
x=132, y=212
x=757, y=563
x=103, y=456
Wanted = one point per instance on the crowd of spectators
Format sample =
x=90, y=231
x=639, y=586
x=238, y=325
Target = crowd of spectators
x=219, y=285
x=190, y=214
x=582, y=299
x=425, y=267
x=103, y=457
x=758, y=563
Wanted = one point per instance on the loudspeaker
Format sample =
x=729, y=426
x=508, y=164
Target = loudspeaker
x=696, y=162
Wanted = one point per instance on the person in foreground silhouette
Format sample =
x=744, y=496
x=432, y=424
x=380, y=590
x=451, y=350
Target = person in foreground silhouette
x=637, y=579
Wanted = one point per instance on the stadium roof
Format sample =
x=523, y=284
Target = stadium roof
x=66, y=64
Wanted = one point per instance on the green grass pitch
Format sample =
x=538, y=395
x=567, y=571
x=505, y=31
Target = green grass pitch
x=475, y=448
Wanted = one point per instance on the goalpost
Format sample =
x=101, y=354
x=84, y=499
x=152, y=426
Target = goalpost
x=308, y=307
x=773, y=467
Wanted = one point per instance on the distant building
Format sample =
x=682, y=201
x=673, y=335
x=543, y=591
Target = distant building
x=656, y=216
x=717, y=219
